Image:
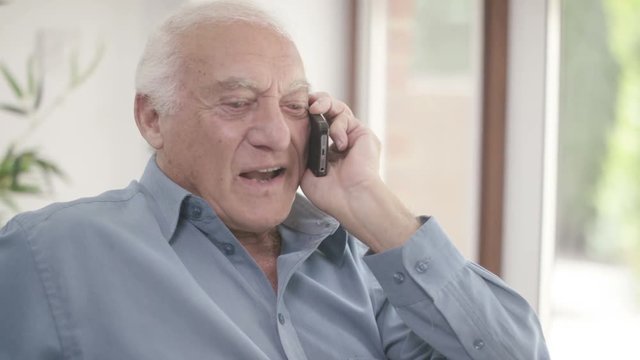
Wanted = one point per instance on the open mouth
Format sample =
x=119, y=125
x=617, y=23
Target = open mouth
x=263, y=175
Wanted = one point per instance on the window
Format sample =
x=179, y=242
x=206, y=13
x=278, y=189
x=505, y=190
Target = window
x=595, y=281
x=432, y=124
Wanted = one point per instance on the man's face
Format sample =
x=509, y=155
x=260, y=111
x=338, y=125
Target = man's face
x=238, y=138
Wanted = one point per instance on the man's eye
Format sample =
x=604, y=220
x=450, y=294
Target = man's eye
x=238, y=104
x=296, y=109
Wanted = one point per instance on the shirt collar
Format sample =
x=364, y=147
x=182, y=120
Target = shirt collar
x=166, y=195
x=303, y=218
x=307, y=219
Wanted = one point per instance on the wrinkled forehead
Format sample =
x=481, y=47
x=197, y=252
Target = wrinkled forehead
x=247, y=51
x=298, y=87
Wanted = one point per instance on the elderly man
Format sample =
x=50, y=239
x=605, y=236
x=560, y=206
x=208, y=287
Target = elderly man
x=212, y=255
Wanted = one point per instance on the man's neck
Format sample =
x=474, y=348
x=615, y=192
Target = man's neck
x=264, y=249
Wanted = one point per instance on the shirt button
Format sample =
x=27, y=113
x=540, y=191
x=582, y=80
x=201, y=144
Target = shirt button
x=478, y=344
x=398, y=277
x=196, y=212
x=281, y=318
x=228, y=249
x=422, y=266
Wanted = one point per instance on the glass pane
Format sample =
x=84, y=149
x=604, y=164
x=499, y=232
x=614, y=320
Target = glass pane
x=432, y=130
x=596, y=277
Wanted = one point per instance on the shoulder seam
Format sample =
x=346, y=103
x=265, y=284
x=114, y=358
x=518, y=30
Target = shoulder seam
x=66, y=205
x=44, y=287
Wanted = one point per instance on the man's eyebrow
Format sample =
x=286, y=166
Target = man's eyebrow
x=299, y=85
x=234, y=83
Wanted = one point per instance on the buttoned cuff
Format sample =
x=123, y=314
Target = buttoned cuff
x=419, y=269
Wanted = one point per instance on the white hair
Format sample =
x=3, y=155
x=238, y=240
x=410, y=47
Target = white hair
x=157, y=72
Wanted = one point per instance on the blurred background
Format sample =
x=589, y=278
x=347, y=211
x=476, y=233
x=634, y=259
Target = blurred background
x=516, y=123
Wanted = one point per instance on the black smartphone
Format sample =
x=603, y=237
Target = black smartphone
x=318, y=145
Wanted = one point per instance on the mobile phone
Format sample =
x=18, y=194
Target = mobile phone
x=318, y=145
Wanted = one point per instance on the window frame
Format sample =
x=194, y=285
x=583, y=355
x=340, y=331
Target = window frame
x=519, y=146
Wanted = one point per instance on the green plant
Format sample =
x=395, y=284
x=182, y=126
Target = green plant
x=23, y=169
x=14, y=170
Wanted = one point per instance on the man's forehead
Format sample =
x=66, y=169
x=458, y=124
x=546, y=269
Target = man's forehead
x=234, y=34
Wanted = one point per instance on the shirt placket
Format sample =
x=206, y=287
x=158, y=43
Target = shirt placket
x=287, y=266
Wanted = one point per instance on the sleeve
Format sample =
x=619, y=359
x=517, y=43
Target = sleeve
x=459, y=309
x=27, y=329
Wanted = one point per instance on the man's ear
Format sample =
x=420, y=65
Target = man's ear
x=148, y=121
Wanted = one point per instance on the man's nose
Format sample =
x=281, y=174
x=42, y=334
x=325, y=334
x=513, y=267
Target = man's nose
x=270, y=129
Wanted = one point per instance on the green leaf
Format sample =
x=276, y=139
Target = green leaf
x=37, y=101
x=13, y=109
x=26, y=189
x=48, y=167
x=79, y=76
x=31, y=79
x=20, y=166
x=5, y=183
x=24, y=162
x=8, y=157
x=13, y=84
x=6, y=169
x=14, y=165
x=48, y=170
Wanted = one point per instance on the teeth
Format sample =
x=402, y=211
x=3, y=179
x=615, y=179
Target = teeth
x=263, y=174
x=268, y=170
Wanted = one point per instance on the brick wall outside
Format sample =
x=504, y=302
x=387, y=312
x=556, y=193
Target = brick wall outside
x=431, y=134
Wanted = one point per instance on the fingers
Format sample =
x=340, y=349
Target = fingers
x=339, y=116
x=323, y=103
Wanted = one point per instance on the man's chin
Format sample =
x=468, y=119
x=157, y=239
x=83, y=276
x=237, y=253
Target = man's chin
x=260, y=220
x=258, y=226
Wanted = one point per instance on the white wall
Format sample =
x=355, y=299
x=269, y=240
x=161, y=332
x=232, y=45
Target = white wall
x=321, y=31
x=92, y=135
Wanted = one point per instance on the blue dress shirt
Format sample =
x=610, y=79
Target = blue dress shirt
x=150, y=272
